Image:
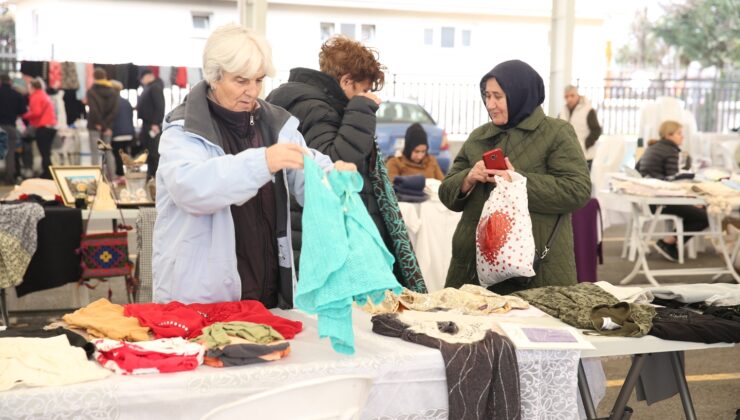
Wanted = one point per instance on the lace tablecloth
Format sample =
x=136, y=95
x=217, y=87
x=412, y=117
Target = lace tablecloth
x=409, y=383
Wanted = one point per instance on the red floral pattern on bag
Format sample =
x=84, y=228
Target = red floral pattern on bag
x=493, y=234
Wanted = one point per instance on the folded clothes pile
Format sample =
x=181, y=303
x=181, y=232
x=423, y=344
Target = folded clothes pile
x=410, y=188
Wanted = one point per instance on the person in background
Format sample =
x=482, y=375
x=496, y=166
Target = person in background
x=660, y=161
x=415, y=160
x=150, y=109
x=41, y=117
x=102, y=101
x=228, y=162
x=542, y=149
x=578, y=112
x=336, y=108
x=12, y=106
x=123, y=128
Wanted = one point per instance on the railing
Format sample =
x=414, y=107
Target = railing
x=8, y=62
x=456, y=105
x=715, y=103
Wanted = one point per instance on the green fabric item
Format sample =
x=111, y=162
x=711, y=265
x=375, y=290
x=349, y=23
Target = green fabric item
x=572, y=304
x=220, y=333
x=635, y=320
x=402, y=250
x=544, y=150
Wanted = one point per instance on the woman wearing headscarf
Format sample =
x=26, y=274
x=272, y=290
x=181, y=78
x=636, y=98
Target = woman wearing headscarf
x=542, y=149
x=415, y=159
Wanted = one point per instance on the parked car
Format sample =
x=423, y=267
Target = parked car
x=395, y=116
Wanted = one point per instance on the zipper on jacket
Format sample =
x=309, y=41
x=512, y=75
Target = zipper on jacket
x=251, y=119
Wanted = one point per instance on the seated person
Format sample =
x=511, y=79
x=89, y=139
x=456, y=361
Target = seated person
x=228, y=162
x=415, y=160
x=661, y=161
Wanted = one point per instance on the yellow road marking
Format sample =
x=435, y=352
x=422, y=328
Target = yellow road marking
x=689, y=378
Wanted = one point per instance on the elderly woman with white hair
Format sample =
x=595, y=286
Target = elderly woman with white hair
x=228, y=162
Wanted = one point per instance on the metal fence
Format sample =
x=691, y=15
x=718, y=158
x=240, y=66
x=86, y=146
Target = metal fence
x=8, y=62
x=715, y=103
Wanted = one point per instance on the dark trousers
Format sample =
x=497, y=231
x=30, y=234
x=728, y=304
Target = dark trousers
x=10, y=157
x=151, y=144
x=694, y=218
x=44, y=139
x=117, y=146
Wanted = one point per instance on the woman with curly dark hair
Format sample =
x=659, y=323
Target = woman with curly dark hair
x=336, y=109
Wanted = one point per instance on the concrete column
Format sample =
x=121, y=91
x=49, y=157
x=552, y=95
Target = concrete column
x=253, y=14
x=561, y=52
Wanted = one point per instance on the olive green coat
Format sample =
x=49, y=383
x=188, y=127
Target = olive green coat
x=545, y=151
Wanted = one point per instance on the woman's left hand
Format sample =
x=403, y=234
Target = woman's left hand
x=341, y=165
x=503, y=174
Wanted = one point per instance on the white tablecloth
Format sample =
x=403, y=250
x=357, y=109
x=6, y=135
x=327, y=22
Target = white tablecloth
x=431, y=226
x=409, y=383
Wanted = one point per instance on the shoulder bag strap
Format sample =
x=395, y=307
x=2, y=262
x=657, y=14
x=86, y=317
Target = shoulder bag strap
x=552, y=237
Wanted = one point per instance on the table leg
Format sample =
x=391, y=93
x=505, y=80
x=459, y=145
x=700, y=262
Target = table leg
x=629, y=384
x=683, y=387
x=715, y=225
x=4, y=308
x=635, y=235
x=585, y=391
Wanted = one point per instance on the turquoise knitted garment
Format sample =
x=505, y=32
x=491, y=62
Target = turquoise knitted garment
x=343, y=256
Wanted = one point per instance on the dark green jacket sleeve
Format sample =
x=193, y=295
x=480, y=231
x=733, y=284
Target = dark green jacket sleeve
x=567, y=185
x=449, y=191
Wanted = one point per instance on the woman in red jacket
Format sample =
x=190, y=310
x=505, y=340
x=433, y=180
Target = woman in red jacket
x=42, y=118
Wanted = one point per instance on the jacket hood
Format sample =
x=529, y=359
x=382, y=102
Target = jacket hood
x=196, y=116
x=523, y=86
x=305, y=84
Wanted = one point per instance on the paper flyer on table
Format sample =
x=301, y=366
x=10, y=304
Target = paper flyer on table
x=525, y=336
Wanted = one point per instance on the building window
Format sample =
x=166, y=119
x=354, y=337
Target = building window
x=202, y=21
x=368, y=33
x=466, y=38
x=448, y=37
x=348, y=29
x=428, y=36
x=327, y=30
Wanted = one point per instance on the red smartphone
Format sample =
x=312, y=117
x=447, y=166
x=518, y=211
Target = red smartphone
x=494, y=159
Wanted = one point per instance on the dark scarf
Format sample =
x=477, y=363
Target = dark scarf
x=415, y=136
x=523, y=87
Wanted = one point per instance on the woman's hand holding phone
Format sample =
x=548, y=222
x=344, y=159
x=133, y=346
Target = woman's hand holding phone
x=479, y=173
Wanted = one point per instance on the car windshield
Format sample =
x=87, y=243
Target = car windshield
x=399, y=112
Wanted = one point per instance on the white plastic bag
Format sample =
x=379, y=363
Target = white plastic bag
x=503, y=240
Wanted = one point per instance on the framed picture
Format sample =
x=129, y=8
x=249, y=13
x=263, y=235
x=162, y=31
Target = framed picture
x=73, y=179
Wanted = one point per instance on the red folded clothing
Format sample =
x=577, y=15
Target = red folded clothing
x=176, y=319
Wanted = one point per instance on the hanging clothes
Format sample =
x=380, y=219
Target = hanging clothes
x=69, y=76
x=34, y=68
x=181, y=77
x=55, y=74
x=18, y=233
x=73, y=107
x=194, y=75
x=82, y=78
x=89, y=79
x=343, y=256
x=155, y=70
x=55, y=262
x=165, y=73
